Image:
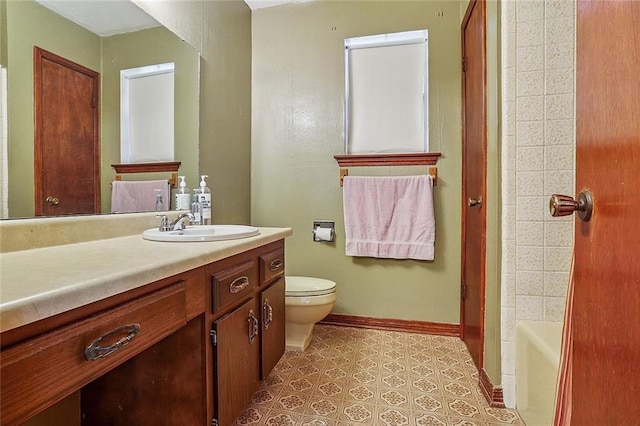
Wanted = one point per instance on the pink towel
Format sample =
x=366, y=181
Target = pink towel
x=138, y=196
x=389, y=217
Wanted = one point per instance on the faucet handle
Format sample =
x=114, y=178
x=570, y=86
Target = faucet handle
x=164, y=222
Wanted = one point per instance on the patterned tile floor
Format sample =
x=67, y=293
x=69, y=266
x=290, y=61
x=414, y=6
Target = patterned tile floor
x=351, y=376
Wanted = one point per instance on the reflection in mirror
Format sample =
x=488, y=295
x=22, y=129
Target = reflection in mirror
x=29, y=24
x=146, y=113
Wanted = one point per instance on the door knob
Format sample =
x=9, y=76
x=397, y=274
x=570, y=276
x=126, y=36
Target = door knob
x=564, y=205
x=474, y=202
x=52, y=201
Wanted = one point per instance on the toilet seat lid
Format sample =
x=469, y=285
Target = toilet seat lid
x=308, y=286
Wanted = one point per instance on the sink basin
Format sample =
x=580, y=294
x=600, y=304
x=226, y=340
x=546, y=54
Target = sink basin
x=202, y=233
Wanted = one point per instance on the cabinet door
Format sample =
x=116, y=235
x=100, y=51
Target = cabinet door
x=237, y=361
x=273, y=332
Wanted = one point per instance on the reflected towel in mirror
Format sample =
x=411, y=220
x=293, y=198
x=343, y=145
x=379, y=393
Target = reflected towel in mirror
x=138, y=196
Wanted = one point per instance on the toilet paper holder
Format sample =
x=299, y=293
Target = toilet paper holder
x=324, y=231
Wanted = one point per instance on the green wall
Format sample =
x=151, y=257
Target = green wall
x=31, y=24
x=297, y=110
x=493, y=359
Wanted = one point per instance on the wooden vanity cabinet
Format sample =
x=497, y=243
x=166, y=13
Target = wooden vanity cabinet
x=198, y=346
x=247, y=326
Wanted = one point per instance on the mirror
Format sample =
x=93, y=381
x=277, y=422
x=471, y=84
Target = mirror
x=29, y=24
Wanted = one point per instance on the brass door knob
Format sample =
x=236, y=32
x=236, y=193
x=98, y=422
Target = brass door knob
x=564, y=205
x=471, y=202
x=52, y=201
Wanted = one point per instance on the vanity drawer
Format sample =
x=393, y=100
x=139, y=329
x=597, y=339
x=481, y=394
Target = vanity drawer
x=233, y=284
x=271, y=265
x=57, y=363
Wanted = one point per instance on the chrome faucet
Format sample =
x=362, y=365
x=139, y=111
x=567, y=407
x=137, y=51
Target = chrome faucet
x=177, y=224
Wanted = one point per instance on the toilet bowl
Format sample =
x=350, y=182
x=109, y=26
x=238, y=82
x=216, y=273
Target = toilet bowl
x=308, y=300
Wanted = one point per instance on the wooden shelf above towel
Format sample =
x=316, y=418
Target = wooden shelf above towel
x=410, y=159
x=407, y=159
x=159, y=167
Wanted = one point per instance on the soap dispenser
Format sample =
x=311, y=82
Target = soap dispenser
x=204, y=196
x=183, y=195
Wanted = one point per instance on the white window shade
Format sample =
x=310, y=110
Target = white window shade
x=147, y=114
x=386, y=93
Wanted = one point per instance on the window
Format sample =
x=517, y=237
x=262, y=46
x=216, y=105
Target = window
x=146, y=113
x=386, y=93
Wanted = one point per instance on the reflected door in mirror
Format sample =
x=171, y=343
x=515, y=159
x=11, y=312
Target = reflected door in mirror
x=66, y=150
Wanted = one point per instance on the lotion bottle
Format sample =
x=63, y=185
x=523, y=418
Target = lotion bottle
x=183, y=196
x=204, y=196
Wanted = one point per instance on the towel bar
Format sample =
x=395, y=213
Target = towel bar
x=173, y=180
x=433, y=172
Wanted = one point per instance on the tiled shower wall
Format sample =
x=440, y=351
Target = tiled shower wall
x=538, y=64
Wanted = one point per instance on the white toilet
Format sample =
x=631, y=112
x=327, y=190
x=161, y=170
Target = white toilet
x=308, y=300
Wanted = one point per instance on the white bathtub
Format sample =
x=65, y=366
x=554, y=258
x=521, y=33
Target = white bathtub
x=537, y=359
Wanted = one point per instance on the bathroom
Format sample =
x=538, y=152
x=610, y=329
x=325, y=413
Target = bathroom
x=273, y=122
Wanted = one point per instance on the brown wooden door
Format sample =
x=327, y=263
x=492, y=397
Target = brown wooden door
x=606, y=304
x=237, y=361
x=473, y=179
x=67, y=144
x=273, y=326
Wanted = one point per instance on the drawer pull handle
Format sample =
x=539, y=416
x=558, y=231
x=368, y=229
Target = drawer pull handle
x=268, y=314
x=254, y=327
x=95, y=351
x=239, y=284
x=275, y=265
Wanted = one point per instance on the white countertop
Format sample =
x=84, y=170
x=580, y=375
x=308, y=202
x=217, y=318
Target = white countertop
x=42, y=282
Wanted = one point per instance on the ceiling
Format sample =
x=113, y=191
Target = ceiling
x=109, y=17
x=104, y=17
x=259, y=4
